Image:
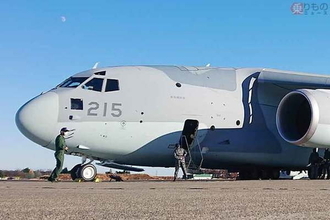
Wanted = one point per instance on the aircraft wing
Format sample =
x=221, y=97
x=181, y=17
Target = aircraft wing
x=303, y=106
x=294, y=79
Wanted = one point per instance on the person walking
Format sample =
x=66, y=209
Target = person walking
x=59, y=155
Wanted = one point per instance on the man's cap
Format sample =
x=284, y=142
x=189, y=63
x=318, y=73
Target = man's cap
x=64, y=129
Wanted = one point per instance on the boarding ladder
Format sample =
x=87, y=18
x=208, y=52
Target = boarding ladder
x=195, y=155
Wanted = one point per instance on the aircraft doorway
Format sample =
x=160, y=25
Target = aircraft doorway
x=187, y=141
x=189, y=133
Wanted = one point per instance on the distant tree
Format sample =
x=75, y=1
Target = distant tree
x=2, y=174
x=13, y=173
x=10, y=173
x=29, y=175
x=46, y=172
x=37, y=173
x=26, y=170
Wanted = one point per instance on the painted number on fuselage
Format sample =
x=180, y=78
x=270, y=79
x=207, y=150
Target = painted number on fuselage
x=116, y=111
x=94, y=107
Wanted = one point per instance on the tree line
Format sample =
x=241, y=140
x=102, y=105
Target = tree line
x=26, y=173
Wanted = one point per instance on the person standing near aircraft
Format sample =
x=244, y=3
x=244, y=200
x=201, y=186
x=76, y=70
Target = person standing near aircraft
x=313, y=161
x=59, y=154
x=326, y=166
x=180, y=156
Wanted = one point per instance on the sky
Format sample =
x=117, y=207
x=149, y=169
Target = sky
x=44, y=42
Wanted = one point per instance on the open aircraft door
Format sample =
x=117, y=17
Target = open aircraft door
x=189, y=140
x=189, y=133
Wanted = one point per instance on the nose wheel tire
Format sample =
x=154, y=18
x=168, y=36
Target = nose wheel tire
x=88, y=172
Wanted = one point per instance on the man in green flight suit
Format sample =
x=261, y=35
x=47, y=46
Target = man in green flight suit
x=59, y=155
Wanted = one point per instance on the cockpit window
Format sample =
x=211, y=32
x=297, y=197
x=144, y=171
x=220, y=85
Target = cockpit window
x=72, y=82
x=112, y=85
x=101, y=73
x=94, y=84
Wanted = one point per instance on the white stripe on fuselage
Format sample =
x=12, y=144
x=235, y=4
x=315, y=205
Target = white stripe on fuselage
x=109, y=140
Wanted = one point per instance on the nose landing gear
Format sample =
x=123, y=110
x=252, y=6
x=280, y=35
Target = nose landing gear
x=87, y=172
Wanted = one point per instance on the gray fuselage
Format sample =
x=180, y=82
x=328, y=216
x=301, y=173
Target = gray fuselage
x=136, y=118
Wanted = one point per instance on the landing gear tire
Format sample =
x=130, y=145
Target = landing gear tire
x=248, y=174
x=243, y=175
x=255, y=174
x=75, y=172
x=88, y=172
x=265, y=175
x=275, y=174
x=313, y=172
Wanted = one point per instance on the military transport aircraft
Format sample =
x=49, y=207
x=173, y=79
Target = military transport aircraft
x=252, y=120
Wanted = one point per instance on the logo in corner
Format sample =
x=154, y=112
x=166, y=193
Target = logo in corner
x=297, y=8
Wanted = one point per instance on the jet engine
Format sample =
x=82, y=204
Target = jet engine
x=303, y=118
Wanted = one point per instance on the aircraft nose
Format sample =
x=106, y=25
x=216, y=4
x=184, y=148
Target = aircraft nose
x=37, y=118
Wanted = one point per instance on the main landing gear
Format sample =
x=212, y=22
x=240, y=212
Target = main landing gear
x=87, y=171
x=255, y=174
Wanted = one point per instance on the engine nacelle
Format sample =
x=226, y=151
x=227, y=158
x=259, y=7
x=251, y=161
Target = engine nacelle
x=303, y=118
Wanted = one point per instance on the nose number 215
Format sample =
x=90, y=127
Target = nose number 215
x=94, y=109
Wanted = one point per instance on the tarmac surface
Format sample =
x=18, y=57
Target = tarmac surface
x=277, y=199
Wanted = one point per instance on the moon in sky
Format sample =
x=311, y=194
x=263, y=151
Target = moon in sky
x=63, y=19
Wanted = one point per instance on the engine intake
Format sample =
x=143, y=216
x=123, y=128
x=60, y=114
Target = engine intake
x=303, y=118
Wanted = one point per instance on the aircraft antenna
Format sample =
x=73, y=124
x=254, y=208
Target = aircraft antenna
x=95, y=65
